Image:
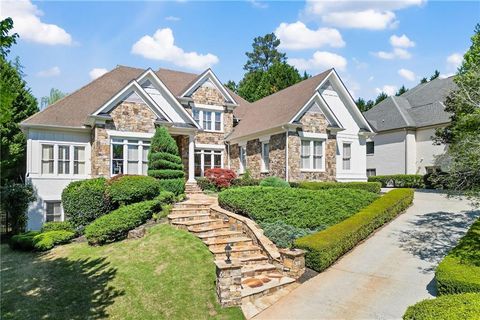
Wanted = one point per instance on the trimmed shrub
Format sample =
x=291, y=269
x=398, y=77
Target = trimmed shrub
x=84, y=201
x=325, y=247
x=57, y=226
x=128, y=189
x=297, y=207
x=115, y=225
x=164, y=162
x=283, y=234
x=47, y=240
x=275, y=182
x=206, y=185
x=459, y=271
x=399, y=180
x=221, y=178
x=449, y=307
x=23, y=241
x=15, y=200
x=367, y=186
x=245, y=182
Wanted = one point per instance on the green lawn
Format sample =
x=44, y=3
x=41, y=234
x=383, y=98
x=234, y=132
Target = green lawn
x=169, y=274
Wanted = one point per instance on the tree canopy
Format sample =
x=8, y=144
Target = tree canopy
x=264, y=53
x=54, y=96
x=16, y=104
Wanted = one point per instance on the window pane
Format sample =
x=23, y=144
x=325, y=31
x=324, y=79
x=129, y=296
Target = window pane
x=47, y=166
x=207, y=120
x=305, y=162
x=132, y=153
x=218, y=121
x=196, y=114
x=346, y=150
x=318, y=148
x=47, y=152
x=132, y=167
x=370, y=147
x=317, y=162
x=79, y=153
x=53, y=211
x=305, y=148
x=63, y=159
x=266, y=156
x=145, y=153
x=207, y=160
x=79, y=167
x=117, y=151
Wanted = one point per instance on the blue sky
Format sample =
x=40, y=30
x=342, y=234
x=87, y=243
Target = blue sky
x=374, y=45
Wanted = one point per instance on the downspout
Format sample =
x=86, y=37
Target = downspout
x=286, y=156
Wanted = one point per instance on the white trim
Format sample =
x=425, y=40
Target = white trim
x=209, y=146
x=58, y=176
x=208, y=152
x=264, y=139
x=329, y=115
x=149, y=72
x=130, y=134
x=208, y=107
x=44, y=207
x=201, y=114
x=313, y=135
x=312, y=155
x=125, y=145
x=264, y=165
x=209, y=73
x=242, y=168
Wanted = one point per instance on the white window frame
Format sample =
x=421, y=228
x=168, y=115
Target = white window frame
x=265, y=160
x=45, y=203
x=242, y=158
x=312, y=154
x=343, y=156
x=141, y=143
x=209, y=152
x=202, y=109
x=45, y=160
x=56, y=145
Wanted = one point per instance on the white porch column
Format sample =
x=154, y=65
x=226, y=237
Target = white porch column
x=191, y=158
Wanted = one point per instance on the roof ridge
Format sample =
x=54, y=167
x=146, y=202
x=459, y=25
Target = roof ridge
x=178, y=71
x=401, y=111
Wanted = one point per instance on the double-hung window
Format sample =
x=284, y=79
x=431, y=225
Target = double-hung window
x=205, y=159
x=347, y=155
x=47, y=159
x=265, y=156
x=370, y=147
x=129, y=156
x=311, y=155
x=53, y=211
x=209, y=120
x=63, y=159
x=242, y=151
x=78, y=160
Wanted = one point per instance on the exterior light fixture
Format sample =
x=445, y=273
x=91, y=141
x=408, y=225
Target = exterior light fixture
x=228, y=252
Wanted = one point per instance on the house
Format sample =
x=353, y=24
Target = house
x=309, y=131
x=405, y=126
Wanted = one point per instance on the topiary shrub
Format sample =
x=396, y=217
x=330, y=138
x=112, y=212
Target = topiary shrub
x=283, y=234
x=57, y=225
x=374, y=187
x=164, y=162
x=47, y=240
x=448, y=307
x=275, y=182
x=128, y=189
x=84, y=201
x=220, y=178
x=459, y=271
x=325, y=247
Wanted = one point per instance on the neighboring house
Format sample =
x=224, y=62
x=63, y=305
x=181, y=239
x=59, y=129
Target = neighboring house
x=105, y=127
x=405, y=126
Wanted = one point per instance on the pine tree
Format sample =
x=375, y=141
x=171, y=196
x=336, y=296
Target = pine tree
x=435, y=75
x=401, y=91
x=164, y=162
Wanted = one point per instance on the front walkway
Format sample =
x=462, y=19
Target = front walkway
x=390, y=271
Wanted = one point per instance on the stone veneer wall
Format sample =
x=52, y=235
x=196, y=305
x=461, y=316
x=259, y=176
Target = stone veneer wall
x=126, y=116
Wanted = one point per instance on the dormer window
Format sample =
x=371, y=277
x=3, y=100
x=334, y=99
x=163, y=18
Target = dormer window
x=210, y=118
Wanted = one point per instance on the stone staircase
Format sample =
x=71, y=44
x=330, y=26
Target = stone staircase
x=262, y=281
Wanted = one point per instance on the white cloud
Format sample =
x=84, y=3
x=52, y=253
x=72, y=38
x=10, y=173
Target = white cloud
x=161, y=46
x=401, y=41
x=388, y=89
x=97, y=72
x=297, y=36
x=395, y=53
x=27, y=23
x=172, y=18
x=373, y=15
x=320, y=60
x=407, y=74
x=258, y=4
x=52, y=72
x=454, y=60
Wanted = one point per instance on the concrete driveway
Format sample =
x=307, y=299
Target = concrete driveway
x=388, y=272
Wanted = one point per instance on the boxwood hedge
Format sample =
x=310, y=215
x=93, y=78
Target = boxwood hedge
x=115, y=225
x=448, y=307
x=40, y=241
x=275, y=182
x=296, y=207
x=367, y=186
x=128, y=189
x=325, y=247
x=57, y=225
x=459, y=272
x=84, y=201
x=399, y=180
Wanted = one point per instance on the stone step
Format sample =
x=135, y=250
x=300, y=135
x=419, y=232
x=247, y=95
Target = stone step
x=255, y=300
x=205, y=222
x=234, y=241
x=209, y=228
x=237, y=251
x=178, y=217
x=218, y=234
x=254, y=259
x=190, y=210
x=251, y=270
x=194, y=204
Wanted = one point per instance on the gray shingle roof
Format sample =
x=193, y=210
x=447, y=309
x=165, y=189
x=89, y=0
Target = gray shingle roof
x=419, y=107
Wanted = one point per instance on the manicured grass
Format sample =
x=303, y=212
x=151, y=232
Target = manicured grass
x=300, y=208
x=168, y=274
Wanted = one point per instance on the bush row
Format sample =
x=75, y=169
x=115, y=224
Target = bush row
x=325, y=247
x=116, y=224
x=399, y=180
x=297, y=207
x=283, y=234
x=275, y=182
x=448, y=307
x=459, y=272
x=40, y=241
x=367, y=186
